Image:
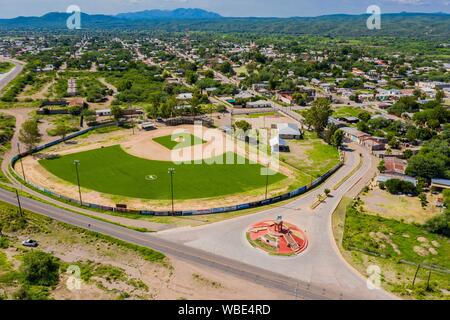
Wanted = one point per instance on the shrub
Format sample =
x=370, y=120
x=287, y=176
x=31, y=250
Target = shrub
x=4, y=242
x=395, y=186
x=31, y=293
x=40, y=268
x=439, y=224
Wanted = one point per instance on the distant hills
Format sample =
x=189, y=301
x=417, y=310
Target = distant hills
x=415, y=25
x=188, y=14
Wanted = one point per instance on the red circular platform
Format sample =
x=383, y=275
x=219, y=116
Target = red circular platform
x=277, y=237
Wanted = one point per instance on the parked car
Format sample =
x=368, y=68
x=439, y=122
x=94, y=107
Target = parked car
x=30, y=243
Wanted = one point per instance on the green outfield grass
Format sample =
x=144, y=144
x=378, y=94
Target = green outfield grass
x=113, y=171
x=185, y=140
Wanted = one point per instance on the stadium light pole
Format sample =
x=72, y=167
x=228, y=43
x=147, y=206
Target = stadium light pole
x=21, y=163
x=77, y=163
x=171, y=172
x=267, y=179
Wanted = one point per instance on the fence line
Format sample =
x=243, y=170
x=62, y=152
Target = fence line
x=239, y=207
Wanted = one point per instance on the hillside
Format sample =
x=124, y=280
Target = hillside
x=417, y=25
x=177, y=14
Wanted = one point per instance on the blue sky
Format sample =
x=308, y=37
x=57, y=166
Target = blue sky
x=260, y=8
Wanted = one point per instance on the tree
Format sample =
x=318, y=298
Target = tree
x=423, y=200
x=382, y=166
x=394, y=143
x=117, y=112
x=327, y=192
x=209, y=74
x=431, y=161
x=318, y=115
x=29, y=134
x=89, y=115
x=226, y=68
x=242, y=125
x=338, y=138
x=407, y=154
x=329, y=132
x=40, y=268
x=62, y=130
x=395, y=186
x=300, y=98
x=191, y=77
x=364, y=116
x=426, y=166
x=440, y=96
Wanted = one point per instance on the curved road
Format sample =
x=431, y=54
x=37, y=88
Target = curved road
x=318, y=273
x=321, y=264
x=8, y=77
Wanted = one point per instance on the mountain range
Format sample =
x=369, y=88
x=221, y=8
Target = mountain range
x=180, y=13
x=419, y=25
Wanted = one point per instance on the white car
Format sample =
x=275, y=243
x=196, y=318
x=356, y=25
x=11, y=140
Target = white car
x=30, y=243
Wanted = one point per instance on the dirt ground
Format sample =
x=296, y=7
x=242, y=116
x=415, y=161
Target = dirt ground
x=408, y=209
x=141, y=144
x=141, y=279
x=264, y=122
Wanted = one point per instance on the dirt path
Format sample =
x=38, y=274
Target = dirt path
x=21, y=115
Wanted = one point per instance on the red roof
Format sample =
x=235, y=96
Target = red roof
x=77, y=102
x=394, y=165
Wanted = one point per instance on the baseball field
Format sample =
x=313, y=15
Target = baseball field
x=111, y=170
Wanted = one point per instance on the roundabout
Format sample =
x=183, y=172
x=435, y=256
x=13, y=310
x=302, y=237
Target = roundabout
x=277, y=237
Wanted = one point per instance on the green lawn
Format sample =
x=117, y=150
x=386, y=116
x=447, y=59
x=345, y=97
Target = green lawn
x=318, y=157
x=347, y=112
x=258, y=115
x=113, y=171
x=179, y=141
x=396, y=240
x=366, y=236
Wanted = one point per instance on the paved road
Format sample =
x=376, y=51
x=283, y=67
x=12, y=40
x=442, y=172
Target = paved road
x=321, y=264
x=318, y=273
x=7, y=78
x=261, y=276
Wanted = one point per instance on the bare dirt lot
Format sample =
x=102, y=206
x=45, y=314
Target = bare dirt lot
x=404, y=208
x=117, y=272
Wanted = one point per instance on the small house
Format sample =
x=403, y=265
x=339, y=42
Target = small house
x=103, y=112
x=289, y=131
x=278, y=144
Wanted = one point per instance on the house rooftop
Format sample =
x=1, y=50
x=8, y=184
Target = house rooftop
x=288, y=129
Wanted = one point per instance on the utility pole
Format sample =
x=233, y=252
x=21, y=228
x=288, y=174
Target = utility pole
x=428, y=281
x=171, y=172
x=21, y=163
x=77, y=163
x=415, y=275
x=18, y=202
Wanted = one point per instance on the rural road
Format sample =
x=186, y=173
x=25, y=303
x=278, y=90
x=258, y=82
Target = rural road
x=318, y=273
x=321, y=264
x=257, y=275
x=8, y=77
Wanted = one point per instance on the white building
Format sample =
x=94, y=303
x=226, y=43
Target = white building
x=278, y=144
x=289, y=131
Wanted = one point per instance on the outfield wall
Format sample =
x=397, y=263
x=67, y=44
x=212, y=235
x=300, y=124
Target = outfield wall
x=244, y=206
